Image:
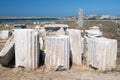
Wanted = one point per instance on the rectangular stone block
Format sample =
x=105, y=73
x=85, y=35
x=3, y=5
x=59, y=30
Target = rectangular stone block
x=102, y=53
x=76, y=45
x=55, y=29
x=57, y=52
x=27, y=48
x=5, y=34
x=7, y=51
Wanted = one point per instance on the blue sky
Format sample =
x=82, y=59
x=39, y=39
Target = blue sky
x=58, y=7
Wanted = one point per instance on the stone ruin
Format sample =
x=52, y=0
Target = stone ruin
x=55, y=29
x=7, y=49
x=61, y=46
x=57, y=52
x=100, y=52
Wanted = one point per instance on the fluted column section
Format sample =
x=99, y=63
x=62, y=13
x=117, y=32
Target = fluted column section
x=102, y=53
x=57, y=52
x=27, y=48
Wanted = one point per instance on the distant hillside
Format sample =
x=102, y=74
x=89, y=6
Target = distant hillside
x=97, y=17
x=85, y=17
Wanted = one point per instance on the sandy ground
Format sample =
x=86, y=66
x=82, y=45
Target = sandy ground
x=40, y=74
x=75, y=73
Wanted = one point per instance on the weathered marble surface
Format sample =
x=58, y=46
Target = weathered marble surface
x=42, y=33
x=76, y=45
x=7, y=52
x=57, y=52
x=27, y=48
x=101, y=53
x=41, y=43
x=5, y=34
x=55, y=29
x=94, y=32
